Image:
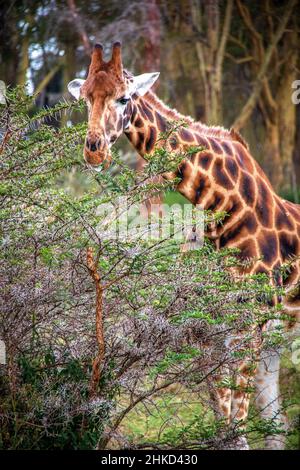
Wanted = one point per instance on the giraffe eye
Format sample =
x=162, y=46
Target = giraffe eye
x=123, y=100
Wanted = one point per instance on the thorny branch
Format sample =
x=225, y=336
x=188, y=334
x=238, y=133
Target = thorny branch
x=98, y=361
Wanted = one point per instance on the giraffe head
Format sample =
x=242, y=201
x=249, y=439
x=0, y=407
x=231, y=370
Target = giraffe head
x=108, y=92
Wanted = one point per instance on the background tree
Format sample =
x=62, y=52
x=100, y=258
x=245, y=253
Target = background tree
x=272, y=90
x=225, y=63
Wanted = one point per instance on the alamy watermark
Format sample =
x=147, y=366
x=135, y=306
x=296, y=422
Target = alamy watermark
x=296, y=94
x=2, y=92
x=296, y=351
x=125, y=221
x=2, y=352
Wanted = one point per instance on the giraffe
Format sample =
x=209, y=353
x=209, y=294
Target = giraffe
x=222, y=176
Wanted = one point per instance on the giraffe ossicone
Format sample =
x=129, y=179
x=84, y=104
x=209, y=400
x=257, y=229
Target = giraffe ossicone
x=221, y=177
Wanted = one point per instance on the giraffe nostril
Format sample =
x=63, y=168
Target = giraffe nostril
x=93, y=145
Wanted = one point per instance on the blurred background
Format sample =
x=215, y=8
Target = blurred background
x=226, y=62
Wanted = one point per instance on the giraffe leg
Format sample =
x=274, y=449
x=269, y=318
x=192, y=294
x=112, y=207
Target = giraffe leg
x=232, y=406
x=224, y=402
x=244, y=380
x=221, y=401
x=221, y=405
x=268, y=396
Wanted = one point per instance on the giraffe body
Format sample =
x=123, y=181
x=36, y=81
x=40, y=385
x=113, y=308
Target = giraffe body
x=223, y=176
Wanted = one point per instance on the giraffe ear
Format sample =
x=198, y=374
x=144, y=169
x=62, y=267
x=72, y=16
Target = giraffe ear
x=74, y=87
x=142, y=83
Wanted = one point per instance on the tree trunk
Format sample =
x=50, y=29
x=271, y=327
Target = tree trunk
x=24, y=52
x=24, y=61
x=287, y=109
x=252, y=100
x=211, y=55
x=9, y=44
x=271, y=153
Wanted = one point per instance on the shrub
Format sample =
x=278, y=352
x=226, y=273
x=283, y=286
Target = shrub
x=95, y=327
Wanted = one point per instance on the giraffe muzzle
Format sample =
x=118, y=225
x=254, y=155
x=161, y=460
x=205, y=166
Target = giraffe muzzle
x=96, y=157
x=96, y=151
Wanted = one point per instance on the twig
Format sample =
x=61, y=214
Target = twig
x=98, y=361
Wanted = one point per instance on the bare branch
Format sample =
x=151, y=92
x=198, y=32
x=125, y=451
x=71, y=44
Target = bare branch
x=98, y=361
x=224, y=36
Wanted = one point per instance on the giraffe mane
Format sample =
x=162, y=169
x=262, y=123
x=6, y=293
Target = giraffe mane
x=165, y=110
x=218, y=132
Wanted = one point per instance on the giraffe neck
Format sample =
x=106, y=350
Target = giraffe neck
x=149, y=118
x=225, y=177
x=210, y=177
